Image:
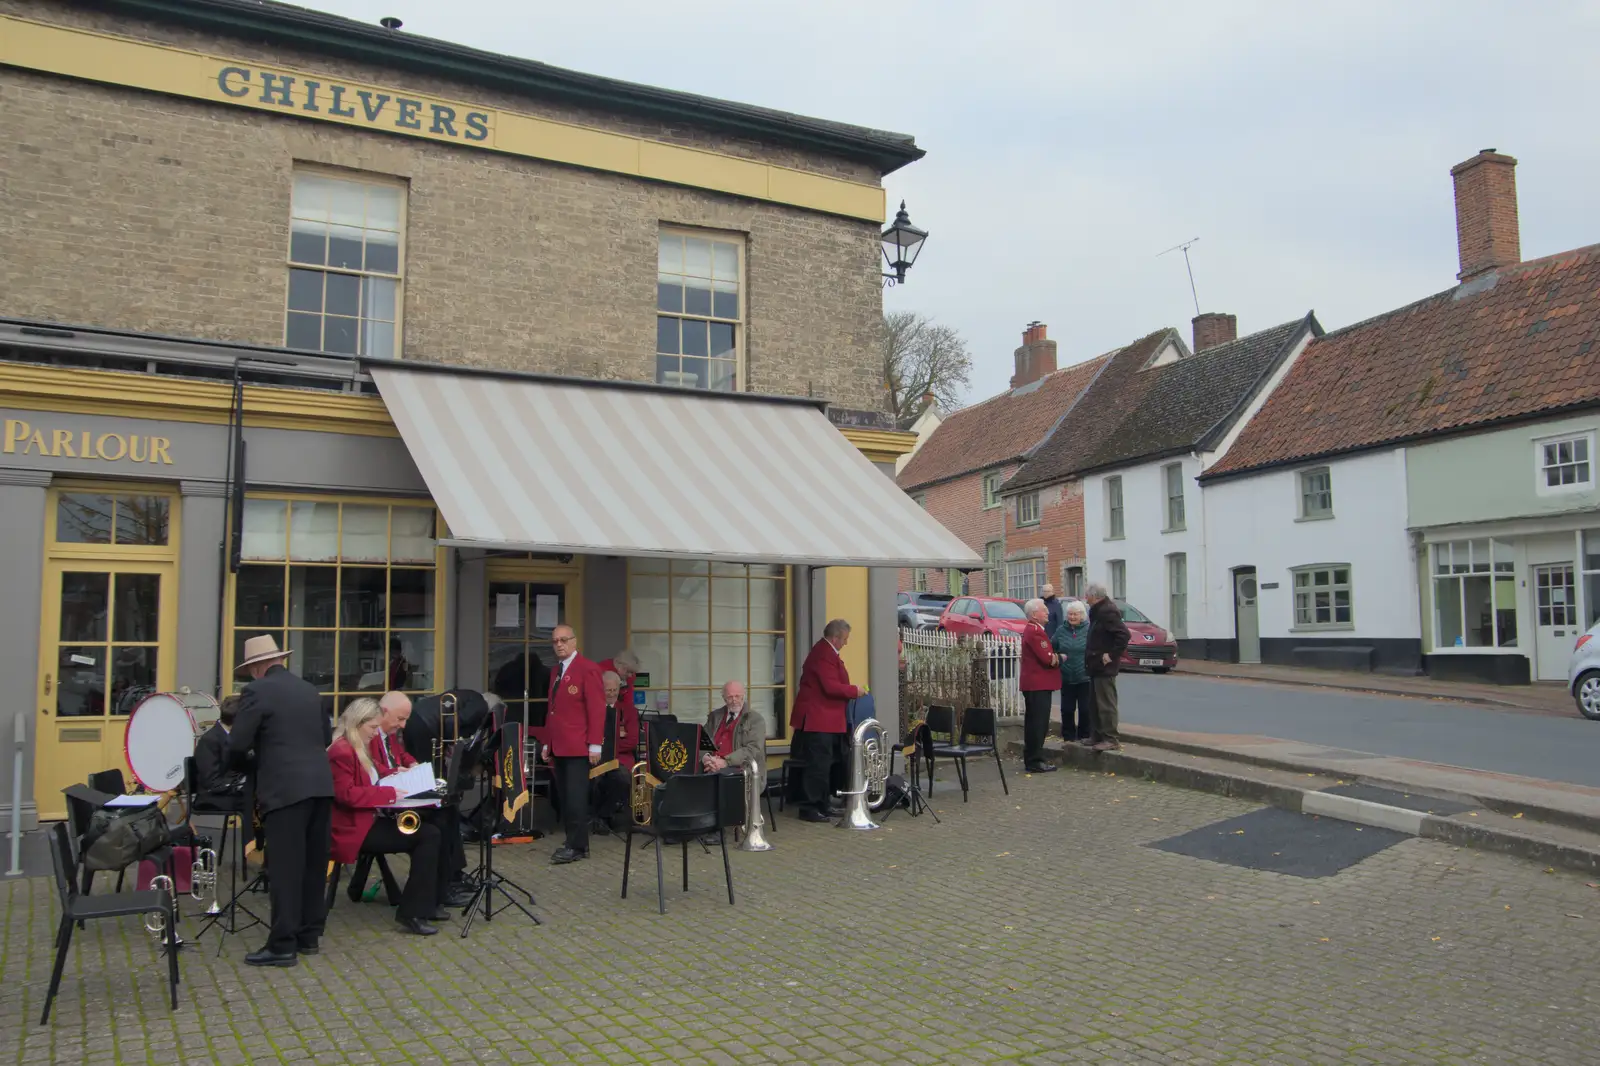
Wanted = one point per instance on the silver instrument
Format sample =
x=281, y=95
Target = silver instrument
x=755, y=837
x=203, y=879
x=449, y=732
x=156, y=921
x=869, y=775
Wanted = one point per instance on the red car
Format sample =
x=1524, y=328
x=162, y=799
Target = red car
x=1149, y=646
x=971, y=615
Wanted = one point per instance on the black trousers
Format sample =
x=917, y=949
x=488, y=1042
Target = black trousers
x=427, y=880
x=572, y=779
x=452, y=852
x=1077, y=711
x=297, y=858
x=821, y=752
x=608, y=796
x=1035, y=724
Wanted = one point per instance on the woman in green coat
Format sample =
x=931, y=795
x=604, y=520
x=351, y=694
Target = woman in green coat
x=1071, y=642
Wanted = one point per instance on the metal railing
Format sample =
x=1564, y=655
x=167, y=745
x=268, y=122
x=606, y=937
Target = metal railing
x=962, y=671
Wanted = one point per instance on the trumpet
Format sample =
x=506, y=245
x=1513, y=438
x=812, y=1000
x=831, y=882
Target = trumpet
x=449, y=731
x=155, y=922
x=203, y=879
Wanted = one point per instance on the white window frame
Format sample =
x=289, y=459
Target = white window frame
x=1072, y=582
x=1307, y=513
x=739, y=323
x=1178, y=594
x=955, y=582
x=398, y=277
x=1461, y=560
x=1310, y=590
x=1589, y=576
x=991, y=490
x=994, y=568
x=919, y=579
x=1584, y=440
x=1117, y=578
x=1028, y=509
x=1177, y=519
x=1025, y=586
x=1116, y=516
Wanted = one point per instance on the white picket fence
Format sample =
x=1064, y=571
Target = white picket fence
x=929, y=654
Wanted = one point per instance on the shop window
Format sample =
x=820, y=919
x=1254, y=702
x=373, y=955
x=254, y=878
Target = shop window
x=699, y=310
x=1474, y=595
x=1178, y=594
x=1024, y=578
x=1322, y=597
x=1114, y=516
x=350, y=588
x=697, y=625
x=1566, y=464
x=346, y=261
x=113, y=518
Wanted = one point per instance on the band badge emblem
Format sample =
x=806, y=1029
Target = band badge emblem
x=572, y=690
x=672, y=756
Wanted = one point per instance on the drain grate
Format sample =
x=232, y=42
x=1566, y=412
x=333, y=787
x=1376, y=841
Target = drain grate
x=1284, y=842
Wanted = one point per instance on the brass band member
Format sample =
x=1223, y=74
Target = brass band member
x=575, y=735
x=388, y=754
x=214, y=778
x=739, y=733
x=608, y=793
x=356, y=798
x=820, y=712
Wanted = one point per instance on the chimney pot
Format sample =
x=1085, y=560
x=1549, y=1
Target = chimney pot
x=1212, y=328
x=1488, y=235
x=1036, y=357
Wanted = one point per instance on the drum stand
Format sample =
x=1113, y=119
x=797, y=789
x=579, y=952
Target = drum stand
x=230, y=911
x=487, y=880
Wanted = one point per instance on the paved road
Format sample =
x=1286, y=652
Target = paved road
x=1037, y=928
x=1557, y=749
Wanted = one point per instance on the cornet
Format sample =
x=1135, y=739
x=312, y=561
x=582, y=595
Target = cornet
x=203, y=879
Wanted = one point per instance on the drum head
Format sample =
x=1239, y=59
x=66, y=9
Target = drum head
x=160, y=736
x=202, y=709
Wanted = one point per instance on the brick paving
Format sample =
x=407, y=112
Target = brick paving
x=1034, y=928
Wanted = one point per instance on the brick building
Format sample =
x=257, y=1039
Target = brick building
x=441, y=347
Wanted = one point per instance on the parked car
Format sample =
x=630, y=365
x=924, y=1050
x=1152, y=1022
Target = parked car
x=1149, y=646
x=971, y=615
x=1583, y=676
x=921, y=610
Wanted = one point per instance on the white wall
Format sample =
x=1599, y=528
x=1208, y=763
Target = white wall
x=1252, y=520
x=1144, y=546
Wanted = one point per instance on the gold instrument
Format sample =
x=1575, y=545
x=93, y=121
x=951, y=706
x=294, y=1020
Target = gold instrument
x=156, y=921
x=203, y=878
x=408, y=821
x=642, y=793
x=449, y=732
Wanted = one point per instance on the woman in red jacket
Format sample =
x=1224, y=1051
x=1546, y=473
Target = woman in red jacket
x=1040, y=681
x=357, y=828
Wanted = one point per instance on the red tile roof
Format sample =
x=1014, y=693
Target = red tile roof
x=999, y=430
x=1514, y=344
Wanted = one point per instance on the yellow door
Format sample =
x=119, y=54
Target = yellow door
x=107, y=636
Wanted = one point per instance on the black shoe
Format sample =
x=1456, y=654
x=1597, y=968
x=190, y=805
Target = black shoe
x=309, y=949
x=416, y=926
x=268, y=957
x=457, y=898
x=1042, y=768
x=812, y=815
x=599, y=828
x=565, y=855
x=835, y=811
x=439, y=915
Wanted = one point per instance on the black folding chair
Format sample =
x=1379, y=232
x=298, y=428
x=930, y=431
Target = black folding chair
x=978, y=737
x=110, y=781
x=683, y=808
x=77, y=909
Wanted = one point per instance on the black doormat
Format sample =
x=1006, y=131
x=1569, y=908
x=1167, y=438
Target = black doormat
x=1411, y=801
x=1279, y=841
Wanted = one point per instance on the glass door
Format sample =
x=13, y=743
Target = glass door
x=522, y=615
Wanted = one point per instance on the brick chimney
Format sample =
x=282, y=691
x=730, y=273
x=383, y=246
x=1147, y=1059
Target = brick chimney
x=1487, y=233
x=1213, y=328
x=1036, y=357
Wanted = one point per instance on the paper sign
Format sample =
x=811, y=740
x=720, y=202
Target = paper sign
x=507, y=610
x=546, y=612
x=81, y=660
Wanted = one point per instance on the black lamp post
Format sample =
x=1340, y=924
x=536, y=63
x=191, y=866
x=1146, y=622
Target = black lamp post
x=901, y=243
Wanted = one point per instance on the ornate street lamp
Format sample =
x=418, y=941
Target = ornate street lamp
x=901, y=243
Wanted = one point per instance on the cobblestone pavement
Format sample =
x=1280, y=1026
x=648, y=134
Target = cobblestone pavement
x=1035, y=928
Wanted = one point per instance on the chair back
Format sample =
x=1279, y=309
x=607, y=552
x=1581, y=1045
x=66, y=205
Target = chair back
x=941, y=723
x=689, y=804
x=109, y=781
x=79, y=813
x=978, y=724
x=62, y=863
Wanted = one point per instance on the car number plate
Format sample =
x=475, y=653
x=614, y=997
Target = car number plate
x=1150, y=662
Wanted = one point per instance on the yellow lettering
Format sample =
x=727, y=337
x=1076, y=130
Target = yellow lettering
x=83, y=450
x=36, y=441
x=159, y=446
x=134, y=451
x=16, y=430
x=100, y=446
x=62, y=443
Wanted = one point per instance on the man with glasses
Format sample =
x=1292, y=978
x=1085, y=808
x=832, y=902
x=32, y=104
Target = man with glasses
x=574, y=732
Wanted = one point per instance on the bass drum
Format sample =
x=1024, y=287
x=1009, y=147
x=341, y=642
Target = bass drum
x=160, y=735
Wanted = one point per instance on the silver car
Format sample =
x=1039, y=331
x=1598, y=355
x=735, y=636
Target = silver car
x=1583, y=676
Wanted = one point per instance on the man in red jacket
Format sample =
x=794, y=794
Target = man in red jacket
x=819, y=711
x=1040, y=680
x=574, y=736
x=625, y=664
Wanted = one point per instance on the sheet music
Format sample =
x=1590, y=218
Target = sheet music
x=409, y=782
x=416, y=802
x=132, y=801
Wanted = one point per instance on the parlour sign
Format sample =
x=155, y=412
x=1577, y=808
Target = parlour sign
x=24, y=438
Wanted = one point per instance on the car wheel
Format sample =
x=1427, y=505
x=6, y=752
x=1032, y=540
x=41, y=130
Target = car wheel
x=1159, y=669
x=1587, y=694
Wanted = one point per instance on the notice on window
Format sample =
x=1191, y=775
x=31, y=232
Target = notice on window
x=507, y=610
x=546, y=612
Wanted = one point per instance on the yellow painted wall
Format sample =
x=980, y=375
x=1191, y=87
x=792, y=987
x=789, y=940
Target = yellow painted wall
x=847, y=599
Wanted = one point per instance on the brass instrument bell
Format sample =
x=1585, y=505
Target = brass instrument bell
x=408, y=822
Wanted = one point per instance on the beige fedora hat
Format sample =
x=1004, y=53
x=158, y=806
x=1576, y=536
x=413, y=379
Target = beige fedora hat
x=259, y=650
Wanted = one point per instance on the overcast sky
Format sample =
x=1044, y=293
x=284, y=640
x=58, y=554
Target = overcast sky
x=1307, y=146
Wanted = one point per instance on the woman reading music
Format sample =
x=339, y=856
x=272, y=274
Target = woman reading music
x=357, y=799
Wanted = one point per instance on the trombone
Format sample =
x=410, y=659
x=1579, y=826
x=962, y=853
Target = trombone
x=449, y=732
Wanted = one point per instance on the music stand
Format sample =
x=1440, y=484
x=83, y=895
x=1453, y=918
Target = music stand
x=236, y=867
x=481, y=751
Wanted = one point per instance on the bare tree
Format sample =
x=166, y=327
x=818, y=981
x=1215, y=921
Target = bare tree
x=921, y=357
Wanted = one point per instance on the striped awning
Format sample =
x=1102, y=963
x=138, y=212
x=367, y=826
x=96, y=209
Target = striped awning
x=589, y=468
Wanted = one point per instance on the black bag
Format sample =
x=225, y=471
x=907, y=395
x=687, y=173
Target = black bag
x=116, y=841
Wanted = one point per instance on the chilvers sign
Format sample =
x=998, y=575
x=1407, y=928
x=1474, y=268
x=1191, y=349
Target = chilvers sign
x=389, y=111
x=22, y=438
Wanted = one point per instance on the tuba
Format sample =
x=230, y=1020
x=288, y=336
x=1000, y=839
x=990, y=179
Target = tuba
x=755, y=839
x=869, y=775
x=449, y=732
x=203, y=879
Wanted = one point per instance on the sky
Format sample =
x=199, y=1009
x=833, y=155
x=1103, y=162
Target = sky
x=1307, y=146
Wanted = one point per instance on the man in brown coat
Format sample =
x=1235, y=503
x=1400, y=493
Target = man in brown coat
x=1108, y=638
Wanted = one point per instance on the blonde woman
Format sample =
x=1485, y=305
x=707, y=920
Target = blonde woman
x=356, y=827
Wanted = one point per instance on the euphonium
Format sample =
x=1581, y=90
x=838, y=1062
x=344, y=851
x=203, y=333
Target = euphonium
x=869, y=774
x=203, y=878
x=642, y=793
x=408, y=822
x=755, y=838
x=449, y=732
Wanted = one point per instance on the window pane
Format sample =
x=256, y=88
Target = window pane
x=311, y=196
x=697, y=257
x=81, y=681
x=142, y=519
x=725, y=299
x=383, y=207
x=721, y=339
x=1447, y=598
x=377, y=339
x=339, y=336
x=343, y=294
x=653, y=650
x=305, y=290
x=138, y=608
x=378, y=298
x=697, y=297
x=314, y=658
x=670, y=253
x=258, y=598
x=691, y=659
x=344, y=247
x=133, y=677
x=693, y=374
x=383, y=252
x=364, y=536
x=411, y=535
x=667, y=335
x=730, y=608
x=304, y=331
x=767, y=604
x=411, y=599
x=669, y=294
x=83, y=518
x=1505, y=611
x=766, y=659
x=690, y=602
x=85, y=603
x=264, y=529
x=308, y=242
x=363, y=662
x=1341, y=577
x=767, y=703
x=694, y=338
x=724, y=375
x=730, y=658
x=411, y=661
x=364, y=597
x=312, y=596
x=314, y=531
x=649, y=602
x=1479, y=608
x=725, y=261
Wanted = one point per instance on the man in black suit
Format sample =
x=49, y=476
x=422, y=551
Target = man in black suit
x=214, y=778
x=281, y=719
